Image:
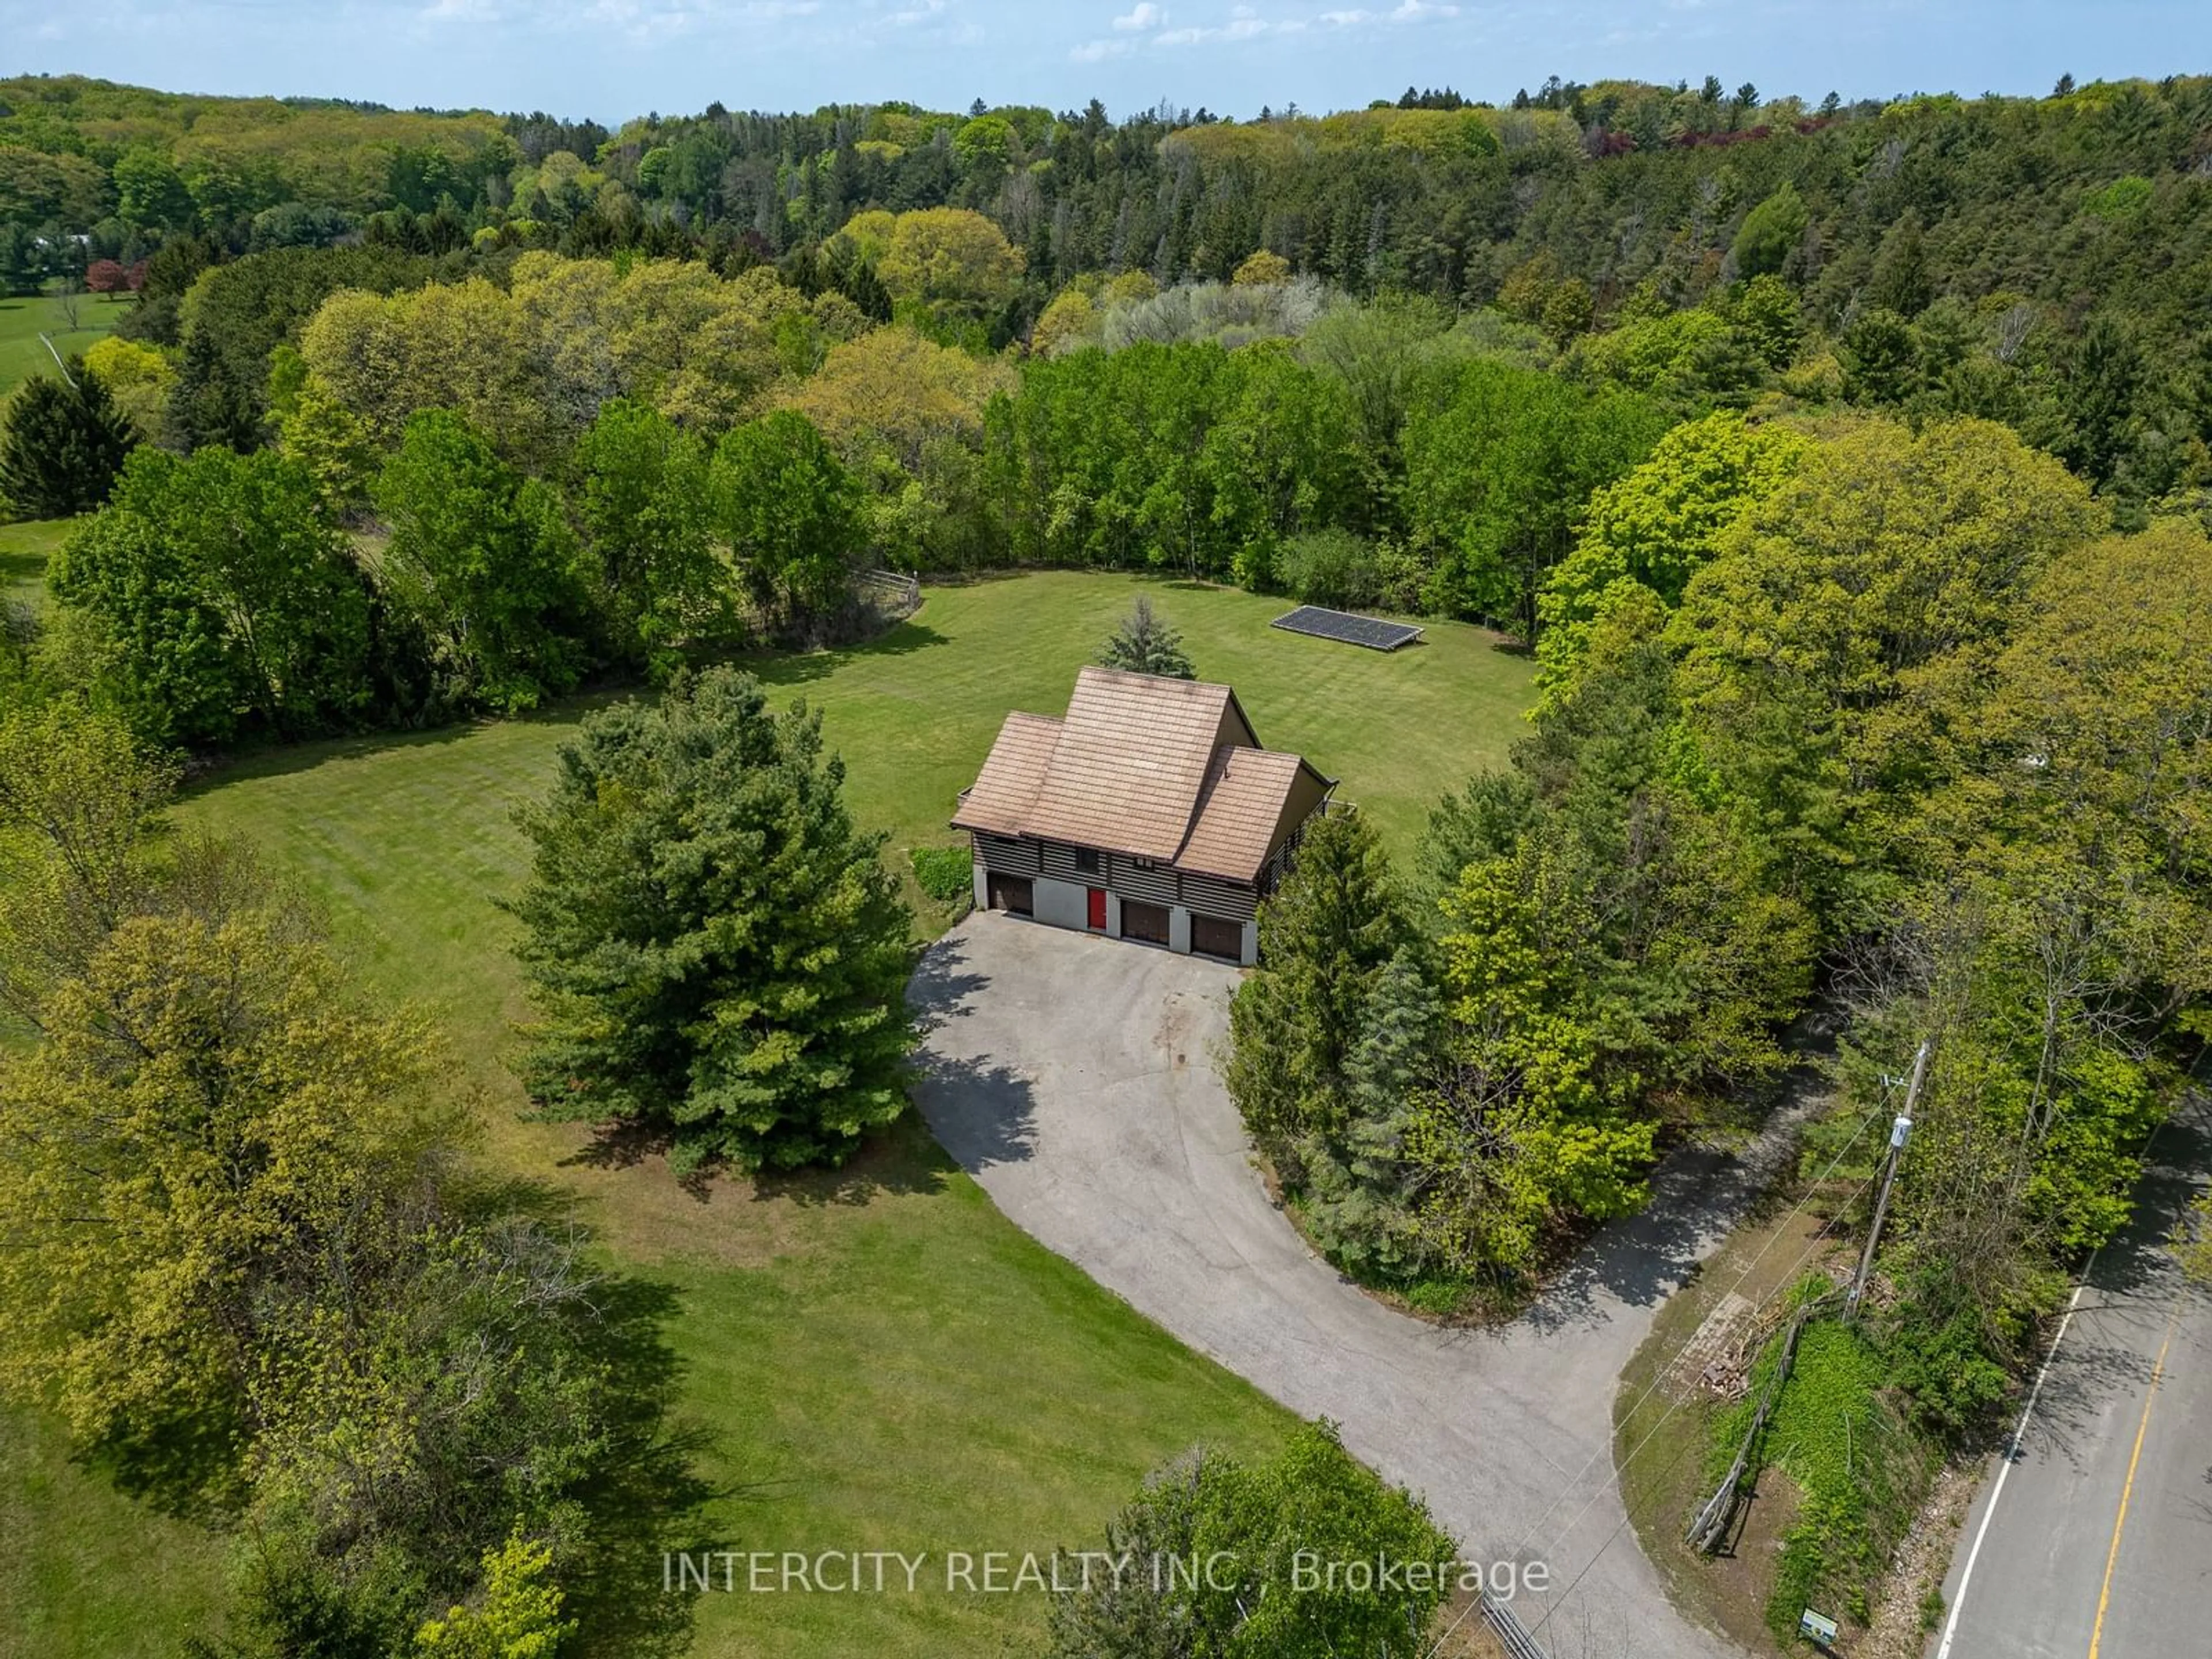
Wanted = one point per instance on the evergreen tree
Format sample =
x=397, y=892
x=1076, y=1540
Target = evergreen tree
x=1144, y=644
x=1324, y=937
x=209, y=406
x=719, y=955
x=1900, y=280
x=2104, y=373
x=61, y=446
x=1361, y=1191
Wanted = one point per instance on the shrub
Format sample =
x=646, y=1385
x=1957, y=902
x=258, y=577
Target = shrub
x=946, y=873
x=1329, y=566
x=1312, y=1500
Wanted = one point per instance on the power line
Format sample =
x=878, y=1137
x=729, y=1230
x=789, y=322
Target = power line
x=1660, y=1373
x=1741, y=1279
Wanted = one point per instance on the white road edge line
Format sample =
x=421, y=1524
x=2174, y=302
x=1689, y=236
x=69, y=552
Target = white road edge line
x=2011, y=1456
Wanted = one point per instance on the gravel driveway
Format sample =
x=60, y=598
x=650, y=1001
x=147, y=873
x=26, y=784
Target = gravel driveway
x=1074, y=1076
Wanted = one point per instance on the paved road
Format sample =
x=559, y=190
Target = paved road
x=1073, y=1075
x=2097, y=1539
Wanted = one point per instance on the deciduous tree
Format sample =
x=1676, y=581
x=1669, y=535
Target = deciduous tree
x=790, y=513
x=480, y=556
x=950, y=256
x=1658, y=525
x=643, y=505
x=226, y=596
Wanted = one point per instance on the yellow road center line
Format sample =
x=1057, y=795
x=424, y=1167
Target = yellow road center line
x=2128, y=1488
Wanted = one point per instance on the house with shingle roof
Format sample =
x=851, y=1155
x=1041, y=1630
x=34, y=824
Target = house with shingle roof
x=1149, y=811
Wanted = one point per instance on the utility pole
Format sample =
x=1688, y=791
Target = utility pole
x=1900, y=1132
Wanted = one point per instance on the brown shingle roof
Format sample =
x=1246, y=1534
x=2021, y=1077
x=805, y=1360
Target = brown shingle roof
x=1154, y=768
x=1001, y=797
x=1233, y=829
x=1132, y=757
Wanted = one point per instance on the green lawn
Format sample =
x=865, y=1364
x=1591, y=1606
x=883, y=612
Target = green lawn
x=84, y=1570
x=24, y=318
x=24, y=550
x=875, y=1359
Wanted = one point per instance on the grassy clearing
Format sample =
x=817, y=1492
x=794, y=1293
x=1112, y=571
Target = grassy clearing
x=83, y=1570
x=24, y=550
x=24, y=318
x=875, y=1358
x=915, y=711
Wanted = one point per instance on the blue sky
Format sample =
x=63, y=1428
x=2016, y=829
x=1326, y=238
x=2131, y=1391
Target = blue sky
x=611, y=58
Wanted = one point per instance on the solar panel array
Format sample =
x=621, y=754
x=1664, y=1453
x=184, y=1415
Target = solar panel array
x=1370, y=631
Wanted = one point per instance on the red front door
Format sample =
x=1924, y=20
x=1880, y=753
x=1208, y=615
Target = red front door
x=1098, y=910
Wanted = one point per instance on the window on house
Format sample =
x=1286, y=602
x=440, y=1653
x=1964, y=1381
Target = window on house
x=1087, y=861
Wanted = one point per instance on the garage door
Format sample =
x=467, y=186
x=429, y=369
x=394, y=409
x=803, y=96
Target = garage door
x=1144, y=921
x=1212, y=936
x=1012, y=893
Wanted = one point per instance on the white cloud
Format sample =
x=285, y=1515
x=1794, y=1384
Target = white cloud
x=1244, y=24
x=1141, y=17
x=1097, y=51
x=1412, y=11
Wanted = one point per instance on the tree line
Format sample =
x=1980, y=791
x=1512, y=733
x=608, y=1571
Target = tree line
x=1890, y=720
x=250, y=1267
x=2032, y=261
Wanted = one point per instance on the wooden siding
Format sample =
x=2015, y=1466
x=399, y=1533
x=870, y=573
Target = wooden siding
x=1002, y=853
x=1229, y=899
x=1059, y=861
x=1155, y=885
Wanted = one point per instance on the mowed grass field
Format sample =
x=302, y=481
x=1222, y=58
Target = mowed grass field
x=24, y=318
x=872, y=1359
x=24, y=550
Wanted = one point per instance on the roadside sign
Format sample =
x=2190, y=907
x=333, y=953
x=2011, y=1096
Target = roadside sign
x=1817, y=1626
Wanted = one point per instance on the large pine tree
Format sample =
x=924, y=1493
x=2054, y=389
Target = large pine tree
x=720, y=957
x=61, y=446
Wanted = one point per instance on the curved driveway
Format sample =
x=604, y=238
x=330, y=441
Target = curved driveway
x=1074, y=1077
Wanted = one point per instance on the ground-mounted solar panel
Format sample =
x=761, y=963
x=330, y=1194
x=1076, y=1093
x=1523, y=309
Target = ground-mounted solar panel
x=1325, y=624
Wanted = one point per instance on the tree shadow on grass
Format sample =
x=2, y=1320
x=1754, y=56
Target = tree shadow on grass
x=185, y=1466
x=900, y=1158
x=804, y=668
x=274, y=759
x=645, y=1502
x=20, y=565
x=884, y=1162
